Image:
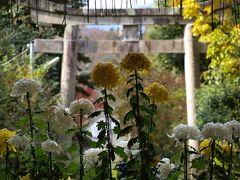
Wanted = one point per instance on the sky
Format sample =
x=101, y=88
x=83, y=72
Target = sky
x=125, y=4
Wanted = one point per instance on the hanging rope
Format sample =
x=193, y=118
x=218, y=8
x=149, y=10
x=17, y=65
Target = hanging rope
x=65, y=13
x=223, y=11
x=36, y=14
x=88, y=11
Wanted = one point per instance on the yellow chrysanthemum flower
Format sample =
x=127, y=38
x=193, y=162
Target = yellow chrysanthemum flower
x=135, y=61
x=106, y=75
x=5, y=134
x=155, y=161
x=27, y=177
x=157, y=93
x=205, y=147
x=152, y=136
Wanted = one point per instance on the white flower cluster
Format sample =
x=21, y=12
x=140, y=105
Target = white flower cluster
x=215, y=131
x=134, y=149
x=51, y=146
x=165, y=168
x=61, y=118
x=91, y=159
x=25, y=85
x=19, y=141
x=233, y=129
x=184, y=132
x=83, y=105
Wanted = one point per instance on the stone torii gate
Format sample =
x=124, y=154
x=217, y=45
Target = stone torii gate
x=69, y=46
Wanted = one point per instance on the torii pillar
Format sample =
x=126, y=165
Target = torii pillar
x=69, y=61
x=192, y=76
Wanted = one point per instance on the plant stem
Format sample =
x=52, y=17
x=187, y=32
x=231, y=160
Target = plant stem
x=81, y=147
x=212, y=158
x=31, y=129
x=50, y=154
x=7, y=163
x=230, y=161
x=185, y=160
x=151, y=119
x=139, y=127
x=106, y=113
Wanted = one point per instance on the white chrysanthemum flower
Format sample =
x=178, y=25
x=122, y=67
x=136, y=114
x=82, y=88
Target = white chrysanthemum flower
x=134, y=149
x=233, y=129
x=184, y=132
x=62, y=119
x=83, y=105
x=164, y=168
x=25, y=85
x=51, y=146
x=19, y=141
x=91, y=158
x=215, y=131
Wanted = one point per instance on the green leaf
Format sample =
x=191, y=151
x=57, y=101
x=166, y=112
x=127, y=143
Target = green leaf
x=102, y=136
x=93, y=144
x=72, y=148
x=116, y=129
x=73, y=167
x=120, y=151
x=109, y=109
x=132, y=141
x=96, y=113
x=129, y=91
x=111, y=149
x=139, y=87
x=145, y=109
x=71, y=131
x=87, y=133
x=61, y=158
x=125, y=131
x=101, y=125
x=130, y=80
x=145, y=96
x=199, y=163
x=175, y=175
x=103, y=155
x=133, y=100
x=99, y=100
x=111, y=97
x=115, y=121
x=128, y=116
x=22, y=122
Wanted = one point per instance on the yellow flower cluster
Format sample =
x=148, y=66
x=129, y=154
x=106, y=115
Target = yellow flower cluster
x=135, y=61
x=191, y=9
x=4, y=136
x=205, y=147
x=27, y=177
x=106, y=75
x=157, y=93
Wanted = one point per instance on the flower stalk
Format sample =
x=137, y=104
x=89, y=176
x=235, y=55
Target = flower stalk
x=31, y=128
x=7, y=163
x=49, y=154
x=80, y=139
x=212, y=158
x=138, y=125
x=81, y=146
x=151, y=119
x=185, y=160
x=230, y=161
x=106, y=114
